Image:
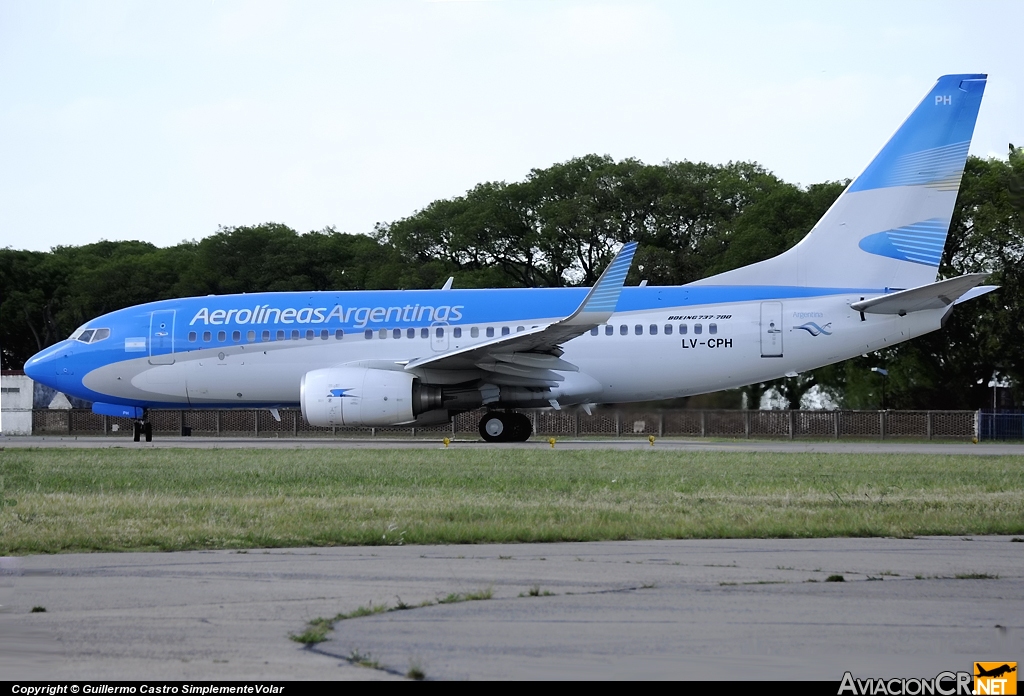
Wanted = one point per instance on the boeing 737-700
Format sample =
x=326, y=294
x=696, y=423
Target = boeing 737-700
x=864, y=278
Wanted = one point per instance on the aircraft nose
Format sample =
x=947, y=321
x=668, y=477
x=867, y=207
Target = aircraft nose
x=36, y=366
x=42, y=367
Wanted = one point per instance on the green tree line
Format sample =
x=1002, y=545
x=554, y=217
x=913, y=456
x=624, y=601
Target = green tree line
x=559, y=227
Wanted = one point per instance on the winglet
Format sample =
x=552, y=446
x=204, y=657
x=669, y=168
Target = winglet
x=600, y=302
x=537, y=347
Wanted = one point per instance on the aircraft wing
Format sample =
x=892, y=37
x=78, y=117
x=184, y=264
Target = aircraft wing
x=932, y=296
x=533, y=354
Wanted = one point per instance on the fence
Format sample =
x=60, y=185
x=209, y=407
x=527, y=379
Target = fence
x=1002, y=425
x=960, y=425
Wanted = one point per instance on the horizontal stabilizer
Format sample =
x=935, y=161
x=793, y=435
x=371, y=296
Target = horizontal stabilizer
x=976, y=292
x=933, y=296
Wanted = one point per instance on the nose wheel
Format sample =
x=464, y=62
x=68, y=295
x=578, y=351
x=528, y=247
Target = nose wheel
x=142, y=428
x=509, y=426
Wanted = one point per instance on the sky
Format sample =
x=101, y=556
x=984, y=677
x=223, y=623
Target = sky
x=163, y=121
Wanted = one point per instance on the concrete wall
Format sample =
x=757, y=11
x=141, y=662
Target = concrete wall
x=16, y=393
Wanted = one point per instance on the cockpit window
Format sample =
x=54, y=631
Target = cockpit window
x=90, y=335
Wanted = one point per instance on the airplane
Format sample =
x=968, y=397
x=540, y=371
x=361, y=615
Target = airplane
x=995, y=671
x=863, y=279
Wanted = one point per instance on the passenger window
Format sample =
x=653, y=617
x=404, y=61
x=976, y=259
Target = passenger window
x=424, y=332
x=697, y=329
x=339, y=334
x=207, y=336
x=519, y=328
x=324, y=334
x=623, y=330
x=654, y=329
x=668, y=329
x=410, y=333
x=295, y=334
x=236, y=336
x=439, y=332
x=638, y=330
x=100, y=335
x=368, y=334
x=280, y=334
x=593, y=331
x=396, y=333
x=251, y=336
x=609, y=330
x=474, y=332
x=310, y=334
x=222, y=336
x=712, y=329
x=265, y=336
x=192, y=336
x=457, y=332
x=505, y=331
x=383, y=333
x=490, y=332
x=682, y=329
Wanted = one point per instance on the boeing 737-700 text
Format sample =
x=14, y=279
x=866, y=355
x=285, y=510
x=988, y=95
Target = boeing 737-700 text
x=864, y=278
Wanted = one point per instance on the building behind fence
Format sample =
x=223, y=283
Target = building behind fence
x=958, y=425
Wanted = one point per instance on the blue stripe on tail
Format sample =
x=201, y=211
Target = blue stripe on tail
x=930, y=148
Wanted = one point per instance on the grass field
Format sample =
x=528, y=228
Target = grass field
x=122, y=499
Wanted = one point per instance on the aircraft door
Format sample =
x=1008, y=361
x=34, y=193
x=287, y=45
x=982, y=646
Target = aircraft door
x=439, y=336
x=771, y=329
x=161, y=337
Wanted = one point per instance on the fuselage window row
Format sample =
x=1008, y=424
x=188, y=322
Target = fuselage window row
x=439, y=332
x=456, y=332
x=265, y=336
x=653, y=329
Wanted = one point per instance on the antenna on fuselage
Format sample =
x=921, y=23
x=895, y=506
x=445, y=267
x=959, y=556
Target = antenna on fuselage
x=448, y=283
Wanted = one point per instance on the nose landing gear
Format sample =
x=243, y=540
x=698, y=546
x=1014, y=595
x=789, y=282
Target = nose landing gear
x=142, y=427
x=507, y=426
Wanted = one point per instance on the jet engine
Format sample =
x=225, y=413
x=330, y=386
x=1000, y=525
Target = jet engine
x=364, y=396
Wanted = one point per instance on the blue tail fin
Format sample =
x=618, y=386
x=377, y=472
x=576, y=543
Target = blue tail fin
x=888, y=228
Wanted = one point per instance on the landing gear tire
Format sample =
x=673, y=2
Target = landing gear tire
x=494, y=427
x=140, y=428
x=520, y=426
x=505, y=427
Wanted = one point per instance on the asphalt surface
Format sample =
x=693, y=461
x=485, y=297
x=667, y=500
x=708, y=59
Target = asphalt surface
x=686, y=609
x=622, y=443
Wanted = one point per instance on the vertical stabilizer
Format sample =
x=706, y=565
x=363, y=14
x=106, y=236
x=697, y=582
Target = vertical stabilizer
x=888, y=228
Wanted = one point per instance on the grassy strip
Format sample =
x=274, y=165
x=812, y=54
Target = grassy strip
x=128, y=499
x=317, y=629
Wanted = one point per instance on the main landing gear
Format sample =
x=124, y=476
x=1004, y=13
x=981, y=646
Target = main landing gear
x=508, y=426
x=142, y=427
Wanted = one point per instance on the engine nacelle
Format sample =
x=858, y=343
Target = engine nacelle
x=358, y=396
